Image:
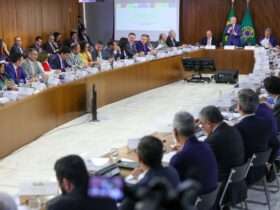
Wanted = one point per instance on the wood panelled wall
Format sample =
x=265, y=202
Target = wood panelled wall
x=199, y=15
x=30, y=18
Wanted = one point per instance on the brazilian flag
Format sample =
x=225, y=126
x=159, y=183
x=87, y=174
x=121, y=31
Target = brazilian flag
x=230, y=15
x=248, y=36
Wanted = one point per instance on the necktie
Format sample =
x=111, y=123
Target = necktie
x=17, y=72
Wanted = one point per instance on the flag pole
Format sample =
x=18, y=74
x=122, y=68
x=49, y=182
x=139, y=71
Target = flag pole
x=232, y=3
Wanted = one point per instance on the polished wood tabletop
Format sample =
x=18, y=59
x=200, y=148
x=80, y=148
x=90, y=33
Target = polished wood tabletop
x=25, y=120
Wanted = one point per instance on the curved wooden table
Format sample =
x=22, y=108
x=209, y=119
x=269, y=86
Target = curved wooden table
x=24, y=121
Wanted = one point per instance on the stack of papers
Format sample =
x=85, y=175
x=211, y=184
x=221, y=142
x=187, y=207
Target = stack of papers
x=38, y=189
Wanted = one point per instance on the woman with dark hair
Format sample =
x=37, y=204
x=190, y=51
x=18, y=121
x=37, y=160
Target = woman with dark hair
x=4, y=52
x=123, y=43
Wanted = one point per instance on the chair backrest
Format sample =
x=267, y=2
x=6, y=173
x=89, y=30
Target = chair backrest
x=207, y=201
x=261, y=158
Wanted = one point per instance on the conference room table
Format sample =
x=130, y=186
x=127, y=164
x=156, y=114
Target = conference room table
x=25, y=120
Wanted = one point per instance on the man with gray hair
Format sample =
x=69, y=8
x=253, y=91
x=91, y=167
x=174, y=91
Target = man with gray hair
x=256, y=131
x=194, y=159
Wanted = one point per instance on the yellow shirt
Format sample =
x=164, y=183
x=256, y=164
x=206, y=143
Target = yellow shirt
x=86, y=57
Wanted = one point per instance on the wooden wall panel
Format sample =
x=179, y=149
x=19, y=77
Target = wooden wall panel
x=30, y=18
x=199, y=15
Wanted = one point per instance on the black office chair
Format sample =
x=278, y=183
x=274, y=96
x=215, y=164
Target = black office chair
x=261, y=160
x=207, y=201
x=237, y=175
x=198, y=66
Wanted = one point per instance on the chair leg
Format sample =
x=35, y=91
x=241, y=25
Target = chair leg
x=246, y=205
x=267, y=195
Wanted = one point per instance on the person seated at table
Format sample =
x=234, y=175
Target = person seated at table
x=31, y=66
x=162, y=41
x=150, y=153
x=74, y=59
x=142, y=45
x=130, y=48
x=194, y=159
x=4, y=52
x=256, y=131
x=272, y=86
x=50, y=46
x=98, y=51
x=73, y=180
x=57, y=40
x=268, y=41
x=7, y=202
x=227, y=145
x=38, y=44
x=209, y=39
x=233, y=33
x=58, y=61
x=74, y=39
x=17, y=47
x=171, y=40
x=5, y=81
x=112, y=51
x=14, y=69
x=84, y=37
x=85, y=54
x=43, y=58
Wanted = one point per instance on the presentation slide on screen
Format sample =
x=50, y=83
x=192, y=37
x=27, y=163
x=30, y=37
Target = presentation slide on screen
x=146, y=16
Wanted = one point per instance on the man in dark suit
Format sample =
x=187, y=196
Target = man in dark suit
x=50, y=47
x=73, y=180
x=256, y=131
x=98, y=51
x=194, y=159
x=171, y=40
x=38, y=44
x=17, y=47
x=14, y=70
x=227, y=145
x=112, y=51
x=208, y=40
x=58, y=61
x=129, y=48
x=84, y=37
x=268, y=41
x=233, y=33
x=150, y=153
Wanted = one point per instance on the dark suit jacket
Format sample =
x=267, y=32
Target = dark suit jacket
x=140, y=47
x=95, y=55
x=85, y=38
x=227, y=145
x=197, y=161
x=11, y=72
x=233, y=39
x=130, y=51
x=172, y=43
x=273, y=41
x=256, y=133
x=16, y=50
x=74, y=201
x=50, y=48
x=204, y=41
x=55, y=62
x=276, y=112
x=109, y=53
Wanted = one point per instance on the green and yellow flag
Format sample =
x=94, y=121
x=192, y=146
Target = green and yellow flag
x=248, y=36
x=230, y=15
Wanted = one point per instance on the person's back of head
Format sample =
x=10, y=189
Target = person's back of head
x=150, y=151
x=7, y=202
x=184, y=124
x=14, y=58
x=72, y=174
x=272, y=85
x=247, y=101
x=65, y=50
x=123, y=42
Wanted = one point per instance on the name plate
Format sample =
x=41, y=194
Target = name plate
x=229, y=47
x=210, y=47
x=249, y=48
